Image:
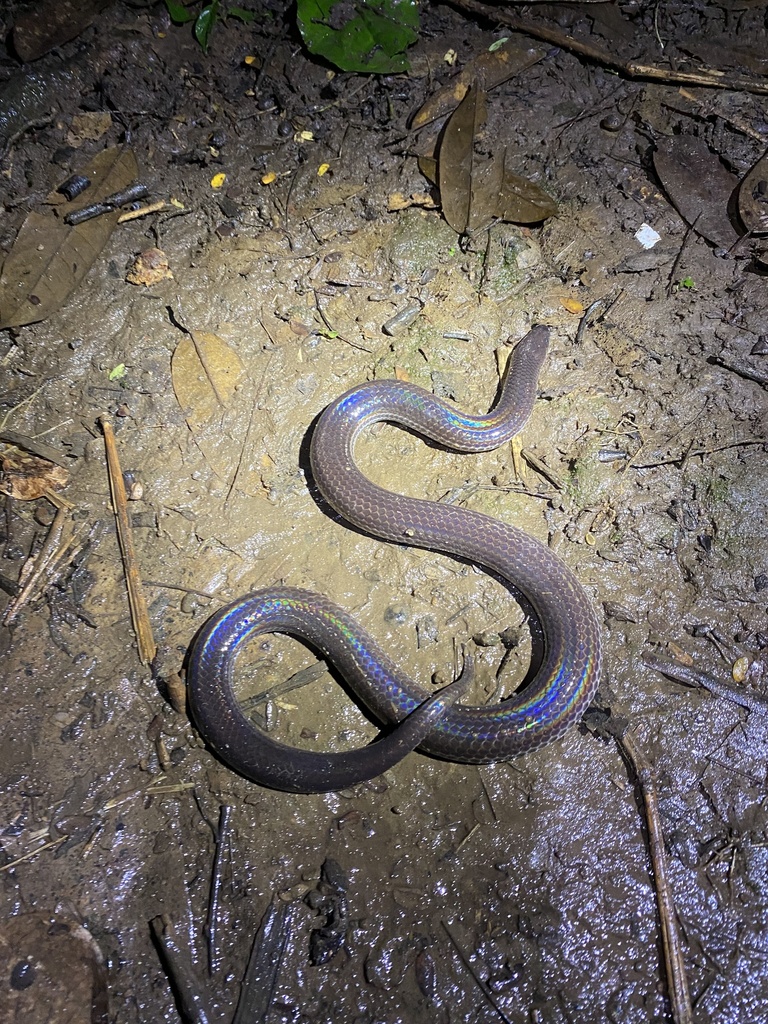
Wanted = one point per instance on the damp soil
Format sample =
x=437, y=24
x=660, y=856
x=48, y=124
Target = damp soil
x=529, y=880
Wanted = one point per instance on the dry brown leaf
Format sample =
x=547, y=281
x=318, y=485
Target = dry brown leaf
x=28, y=477
x=478, y=193
x=698, y=185
x=90, y=125
x=456, y=159
x=490, y=68
x=521, y=201
x=51, y=23
x=205, y=372
x=49, y=258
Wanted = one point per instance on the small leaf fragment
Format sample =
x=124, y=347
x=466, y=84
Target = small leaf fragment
x=523, y=202
x=205, y=371
x=150, y=267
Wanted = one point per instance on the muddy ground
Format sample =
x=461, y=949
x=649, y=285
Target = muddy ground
x=531, y=876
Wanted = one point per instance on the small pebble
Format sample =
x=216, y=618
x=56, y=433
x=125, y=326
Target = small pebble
x=612, y=122
x=740, y=669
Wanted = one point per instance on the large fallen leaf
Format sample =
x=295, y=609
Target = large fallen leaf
x=456, y=158
x=474, y=193
x=492, y=68
x=205, y=372
x=698, y=185
x=50, y=258
x=52, y=23
x=753, y=198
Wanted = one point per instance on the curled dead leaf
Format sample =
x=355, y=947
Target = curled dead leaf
x=28, y=477
x=474, y=192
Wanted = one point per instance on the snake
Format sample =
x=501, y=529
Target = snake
x=437, y=724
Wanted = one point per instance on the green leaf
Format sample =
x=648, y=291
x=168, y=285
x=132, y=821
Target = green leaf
x=360, y=35
x=241, y=14
x=206, y=19
x=178, y=12
x=118, y=372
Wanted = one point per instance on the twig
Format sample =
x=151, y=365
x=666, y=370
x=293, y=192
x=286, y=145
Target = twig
x=60, y=546
x=184, y=590
x=35, y=447
x=739, y=368
x=542, y=469
x=714, y=78
x=677, y=979
x=136, y=599
x=211, y=927
x=33, y=853
x=303, y=677
x=264, y=964
x=693, y=453
x=142, y=211
x=333, y=330
x=254, y=404
x=176, y=961
x=478, y=980
x=695, y=677
x=680, y=251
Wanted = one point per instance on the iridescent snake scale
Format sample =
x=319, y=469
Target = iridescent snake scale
x=543, y=711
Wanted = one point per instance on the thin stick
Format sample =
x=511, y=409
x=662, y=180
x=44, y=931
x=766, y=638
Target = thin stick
x=177, y=965
x=691, y=676
x=144, y=210
x=33, y=853
x=697, y=453
x=677, y=979
x=136, y=600
x=211, y=927
x=713, y=78
x=59, y=546
x=747, y=372
x=478, y=980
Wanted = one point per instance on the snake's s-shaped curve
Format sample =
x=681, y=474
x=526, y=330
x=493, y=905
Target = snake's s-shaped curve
x=544, y=710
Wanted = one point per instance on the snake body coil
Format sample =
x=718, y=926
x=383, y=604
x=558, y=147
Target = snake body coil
x=547, y=707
